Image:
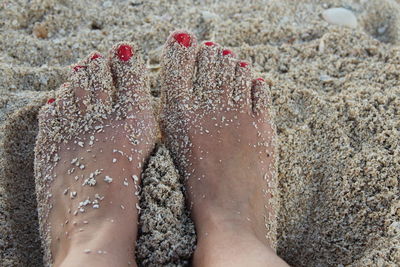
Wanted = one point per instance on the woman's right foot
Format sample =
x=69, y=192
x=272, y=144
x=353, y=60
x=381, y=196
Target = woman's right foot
x=216, y=124
x=90, y=151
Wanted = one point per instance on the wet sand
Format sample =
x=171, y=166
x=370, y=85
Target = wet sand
x=335, y=98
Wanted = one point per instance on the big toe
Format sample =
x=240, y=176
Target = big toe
x=178, y=64
x=129, y=73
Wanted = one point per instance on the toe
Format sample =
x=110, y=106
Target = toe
x=100, y=81
x=129, y=74
x=226, y=74
x=242, y=89
x=59, y=108
x=206, y=86
x=64, y=101
x=79, y=80
x=46, y=115
x=259, y=96
x=47, y=111
x=178, y=64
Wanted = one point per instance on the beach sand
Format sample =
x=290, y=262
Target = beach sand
x=335, y=100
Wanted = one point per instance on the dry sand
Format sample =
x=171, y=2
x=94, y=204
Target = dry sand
x=336, y=99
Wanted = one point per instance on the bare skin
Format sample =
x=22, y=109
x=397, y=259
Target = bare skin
x=92, y=145
x=216, y=123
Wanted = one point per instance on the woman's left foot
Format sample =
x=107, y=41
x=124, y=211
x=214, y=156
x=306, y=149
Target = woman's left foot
x=93, y=141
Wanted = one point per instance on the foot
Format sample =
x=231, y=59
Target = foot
x=93, y=141
x=216, y=123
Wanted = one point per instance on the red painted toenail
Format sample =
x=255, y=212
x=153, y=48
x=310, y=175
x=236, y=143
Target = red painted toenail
x=243, y=64
x=209, y=43
x=227, y=52
x=125, y=52
x=96, y=55
x=260, y=79
x=76, y=68
x=183, y=39
x=51, y=100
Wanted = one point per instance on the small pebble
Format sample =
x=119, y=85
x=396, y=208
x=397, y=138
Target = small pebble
x=340, y=16
x=108, y=179
x=107, y=4
x=325, y=78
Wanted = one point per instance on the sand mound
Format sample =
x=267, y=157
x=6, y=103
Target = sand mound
x=162, y=200
x=335, y=97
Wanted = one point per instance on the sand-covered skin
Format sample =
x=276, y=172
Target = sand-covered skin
x=94, y=138
x=335, y=96
x=215, y=122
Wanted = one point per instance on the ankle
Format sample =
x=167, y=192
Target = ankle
x=99, y=246
x=94, y=258
x=229, y=247
x=82, y=255
x=215, y=221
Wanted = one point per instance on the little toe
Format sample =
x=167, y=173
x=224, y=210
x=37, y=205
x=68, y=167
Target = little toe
x=129, y=73
x=47, y=111
x=59, y=109
x=206, y=86
x=242, y=90
x=260, y=97
x=46, y=116
x=100, y=81
x=178, y=67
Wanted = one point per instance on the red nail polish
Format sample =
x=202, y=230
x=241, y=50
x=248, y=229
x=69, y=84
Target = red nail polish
x=51, y=100
x=209, y=43
x=76, y=68
x=243, y=64
x=96, y=55
x=227, y=52
x=183, y=39
x=124, y=52
x=260, y=79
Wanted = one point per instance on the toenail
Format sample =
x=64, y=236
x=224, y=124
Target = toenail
x=209, y=43
x=125, y=52
x=76, y=68
x=183, y=39
x=260, y=79
x=96, y=55
x=227, y=52
x=243, y=64
x=51, y=100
